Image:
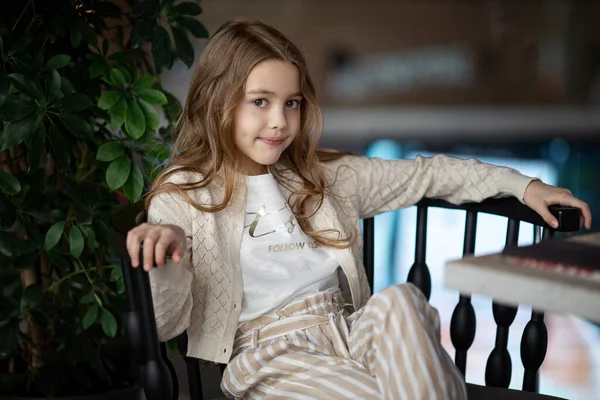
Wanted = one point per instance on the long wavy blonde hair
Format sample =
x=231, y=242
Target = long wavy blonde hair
x=204, y=134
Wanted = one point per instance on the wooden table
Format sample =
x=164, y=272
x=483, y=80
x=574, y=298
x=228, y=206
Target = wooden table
x=544, y=288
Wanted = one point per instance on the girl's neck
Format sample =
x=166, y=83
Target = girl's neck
x=254, y=169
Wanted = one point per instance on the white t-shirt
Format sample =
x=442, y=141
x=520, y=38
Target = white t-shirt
x=280, y=264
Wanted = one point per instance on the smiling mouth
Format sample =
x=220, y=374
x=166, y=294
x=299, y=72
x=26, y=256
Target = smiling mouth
x=272, y=142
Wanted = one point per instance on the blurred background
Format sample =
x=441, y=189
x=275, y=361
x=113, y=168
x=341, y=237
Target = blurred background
x=511, y=83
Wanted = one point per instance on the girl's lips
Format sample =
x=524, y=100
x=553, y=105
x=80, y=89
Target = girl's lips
x=271, y=142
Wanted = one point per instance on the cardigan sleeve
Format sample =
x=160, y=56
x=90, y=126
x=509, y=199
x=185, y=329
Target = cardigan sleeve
x=384, y=185
x=171, y=285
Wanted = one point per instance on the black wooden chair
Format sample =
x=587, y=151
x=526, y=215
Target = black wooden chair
x=158, y=377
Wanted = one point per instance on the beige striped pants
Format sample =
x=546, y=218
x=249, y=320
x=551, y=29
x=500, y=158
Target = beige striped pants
x=389, y=349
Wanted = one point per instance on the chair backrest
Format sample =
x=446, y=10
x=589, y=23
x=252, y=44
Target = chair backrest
x=158, y=376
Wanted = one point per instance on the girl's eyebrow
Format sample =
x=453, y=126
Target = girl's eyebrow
x=269, y=93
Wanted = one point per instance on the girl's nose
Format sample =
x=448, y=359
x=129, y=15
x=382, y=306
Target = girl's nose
x=277, y=119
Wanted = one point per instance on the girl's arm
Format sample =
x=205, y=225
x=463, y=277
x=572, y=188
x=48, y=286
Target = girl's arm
x=384, y=185
x=171, y=283
x=388, y=185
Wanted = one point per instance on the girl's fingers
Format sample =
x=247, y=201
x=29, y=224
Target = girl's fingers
x=178, y=252
x=160, y=250
x=547, y=216
x=149, y=242
x=157, y=241
x=134, y=238
x=583, y=206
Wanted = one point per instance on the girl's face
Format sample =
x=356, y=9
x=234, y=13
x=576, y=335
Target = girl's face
x=268, y=118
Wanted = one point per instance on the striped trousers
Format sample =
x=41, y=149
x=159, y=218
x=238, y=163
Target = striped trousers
x=311, y=349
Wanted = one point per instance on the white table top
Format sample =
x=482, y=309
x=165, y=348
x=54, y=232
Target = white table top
x=560, y=289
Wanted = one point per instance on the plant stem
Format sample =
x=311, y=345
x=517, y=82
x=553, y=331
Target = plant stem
x=81, y=271
x=46, y=271
x=91, y=171
x=21, y=16
x=27, y=279
x=84, y=269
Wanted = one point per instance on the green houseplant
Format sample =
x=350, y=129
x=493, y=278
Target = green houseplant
x=80, y=98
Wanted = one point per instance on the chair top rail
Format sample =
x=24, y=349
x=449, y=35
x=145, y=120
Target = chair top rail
x=512, y=208
x=509, y=207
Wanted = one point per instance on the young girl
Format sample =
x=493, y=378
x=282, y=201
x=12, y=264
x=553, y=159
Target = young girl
x=265, y=228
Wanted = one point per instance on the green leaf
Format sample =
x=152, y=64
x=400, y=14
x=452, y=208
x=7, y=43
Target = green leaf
x=101, y=229
x=60, y=261
x=53, y=235
x=89, y=317
x=134, y=185
x=76, y=102
x=16, y=132
x=66, y=86
x=194, y=26
x=185, y=50
x=187, y=8
x=76, y=125
x=143, y=82
x=98, y=300
x=153, y=96
x=53, y=84
x=158, y=151
x=88, y=298
x=135, y=121
x=32, y=297
x=109, y=99
x=151, y=169
x=36, y=147
x=148, y=136
x=26, y=86
x=76, y=241
x=109, y=323
x=150, y=113
x=126, y=74
x=117, y=173
x=98, y=68
x=9, y=184
x=117, y=113
x=109, y=151
x=75, y=36
x=89, y=233
x=117, y=78
x=58, y=61
x=9, y=339
x=116, y=273
x=23, y=246
x=15, y=109
x=59, y=146
x=8, y=216
x=173, y=107
x=161, y=49
x=88, y=34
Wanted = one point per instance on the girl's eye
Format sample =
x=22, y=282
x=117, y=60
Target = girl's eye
x=260, y=102
x=293, y=103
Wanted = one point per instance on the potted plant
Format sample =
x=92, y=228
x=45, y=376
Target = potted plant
x=80, y=98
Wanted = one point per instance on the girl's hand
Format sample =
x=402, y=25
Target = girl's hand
x=538, y=196
x=158, y=240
